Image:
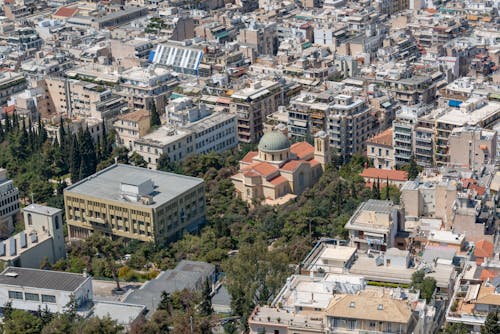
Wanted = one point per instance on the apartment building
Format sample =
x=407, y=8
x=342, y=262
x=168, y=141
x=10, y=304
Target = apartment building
x=252, y=105
x=215, y=132
x=262, y=38
x=77, y=98
x=142, y=87
x=10, y=84
x=177, y=56
x=472, y=147
x=430, y=199
x=35, y=289
x=134, y=203
x=43, y=237
x=403, y=128
x=349, y=125
x=379, y=150
x=132, y=126
x=9, y=203
x=374, y=225
x=474, y=112
x=367, y=313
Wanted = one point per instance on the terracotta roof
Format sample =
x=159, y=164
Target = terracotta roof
x=370, y=308
x=66, y=11
x=248, y=158
x=291, y=165
x=278, y=180
x=313, y=162
x=262, y=168
x=488, y=274
x=9, y=109
x=382, y=174
x=302, y=149
x=134, y=116
x=484, y=248
x=383, y=138
x=488, y=296
x=251, y=173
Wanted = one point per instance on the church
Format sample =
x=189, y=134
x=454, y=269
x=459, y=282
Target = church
x=279, y=171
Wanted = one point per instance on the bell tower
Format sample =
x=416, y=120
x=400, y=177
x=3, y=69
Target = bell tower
x=322, y=148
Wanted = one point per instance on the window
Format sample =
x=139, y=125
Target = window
x=30, y=219
x=15, y=295
x=48, y=299
x=32, y=296
x=57, y=222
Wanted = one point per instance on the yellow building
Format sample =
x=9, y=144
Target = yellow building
x=135, y=203
x=279, y=171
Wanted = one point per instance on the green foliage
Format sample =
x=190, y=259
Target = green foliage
x=206, y=301
x=22, y=322
x=154, y=115
x=426, y=285
x=492, y=324
x=455, y=328
x=137, y=160
x=412, y=168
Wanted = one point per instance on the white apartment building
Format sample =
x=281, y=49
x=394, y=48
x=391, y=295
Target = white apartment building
x=349, y=125
x=216, y=132
x=9, y=201
x=35, y=289
x=42, y=238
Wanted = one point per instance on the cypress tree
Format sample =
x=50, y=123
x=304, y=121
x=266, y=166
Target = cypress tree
x=15, y=121
x=8, y=127
x=74, y=160
x=206, y=303
x=31, y=135
x=387, y=190
x=105, y=144
x=155, y=117
x=88, y=155
x=378, y=188
x=2, y=133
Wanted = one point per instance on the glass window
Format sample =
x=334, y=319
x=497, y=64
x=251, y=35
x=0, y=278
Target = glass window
x=32, y=296
x=48, y=299
x=15, y=295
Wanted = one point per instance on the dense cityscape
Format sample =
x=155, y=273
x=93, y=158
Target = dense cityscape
x=250, y=166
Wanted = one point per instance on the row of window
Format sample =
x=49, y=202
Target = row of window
x=32, y=297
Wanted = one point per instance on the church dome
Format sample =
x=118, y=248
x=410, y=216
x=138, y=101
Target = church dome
x=273, y=141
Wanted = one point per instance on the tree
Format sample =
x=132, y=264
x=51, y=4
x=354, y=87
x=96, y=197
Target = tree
x=455, y=328
x=206, y=302
x=74, y=160
x=98, y=325
x=98, y=245
x=387, y=189
x=7, y=311
x=165, y=302
x=491, y=324
x=22, y=322
x=137, y=160
x=164, y=164
x=154, y=116
x=88, y=155
x=426, y=285
x=413, y=169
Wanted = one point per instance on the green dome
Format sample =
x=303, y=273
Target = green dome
x=273, y=141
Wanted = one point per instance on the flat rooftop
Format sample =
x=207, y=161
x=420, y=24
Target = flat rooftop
x=41, y=279
x=106, y=184
x=122, y=313
x=42, y=209
x=460, y=117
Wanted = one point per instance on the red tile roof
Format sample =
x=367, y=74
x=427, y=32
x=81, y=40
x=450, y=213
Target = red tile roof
x=383, y=138
x=291, y=165
x=248, y=158
x=9, y=109
x=484, y=248
x=261, y=168
x=278, y=180
x=488, y=274
x=302, y=149
x=313, y=162
x=66, y=11
x=382, y=174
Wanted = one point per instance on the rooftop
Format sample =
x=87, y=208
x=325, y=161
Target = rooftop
x=383, y=174
x=383, y=138
x=42, y=209
x=106, y=184
x=42, y=279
